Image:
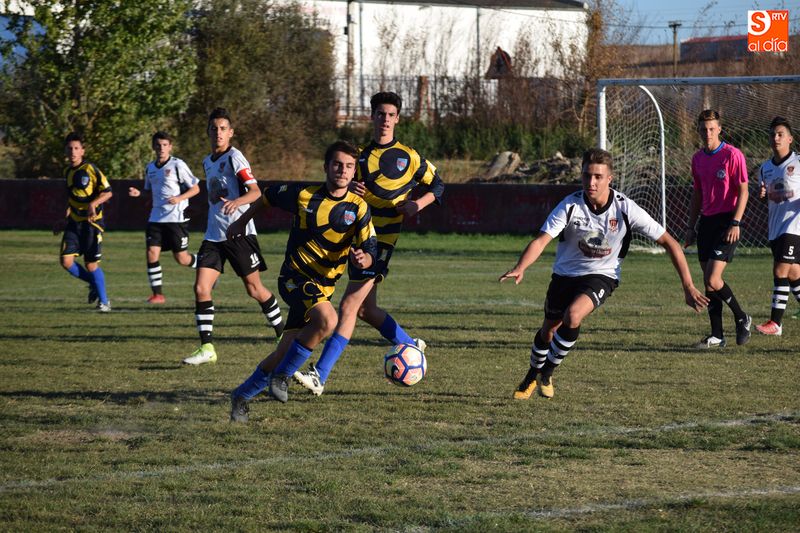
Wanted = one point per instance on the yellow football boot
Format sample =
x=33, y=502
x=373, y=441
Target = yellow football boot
x=528, y=385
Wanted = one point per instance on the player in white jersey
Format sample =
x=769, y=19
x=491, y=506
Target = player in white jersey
x=231, y=189
x=171, y=184
x=594, y=228
x=779, y=179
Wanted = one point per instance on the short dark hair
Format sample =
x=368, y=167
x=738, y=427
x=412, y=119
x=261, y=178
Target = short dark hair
x=220, y=112
x=780, y=121
x=161, y=136
x=706, y=115
x=73, y=136
x=340, y=146
x=386, y=98
x=597, y=156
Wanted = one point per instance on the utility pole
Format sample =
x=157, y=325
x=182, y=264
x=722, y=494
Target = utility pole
x=674, y=24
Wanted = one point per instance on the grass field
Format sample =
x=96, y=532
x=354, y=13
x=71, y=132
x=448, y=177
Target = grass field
x=103, y=429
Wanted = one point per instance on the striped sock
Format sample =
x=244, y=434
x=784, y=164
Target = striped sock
x=155, y=276
x=273, y=315
x=539, y=351
x=563, y=341
x=204, y=317
x=795, y=286
x=780, y=297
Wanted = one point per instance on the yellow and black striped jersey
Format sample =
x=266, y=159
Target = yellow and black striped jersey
x=84, y=183
x=390, y=172
x=323, y=230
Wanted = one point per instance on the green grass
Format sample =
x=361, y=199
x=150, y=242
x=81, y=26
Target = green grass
x=103, y=429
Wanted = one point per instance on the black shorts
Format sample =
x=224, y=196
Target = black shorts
x=379, y=269
x=786, y=248
x=711, y=243
x=244, y=254
x=564, y=289
x=300, y=294
x=82, y=238
x=168, y=236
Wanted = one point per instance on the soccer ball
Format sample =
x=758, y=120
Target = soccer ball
x=405, y=365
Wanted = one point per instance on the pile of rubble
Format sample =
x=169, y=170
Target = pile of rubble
x=508, y=167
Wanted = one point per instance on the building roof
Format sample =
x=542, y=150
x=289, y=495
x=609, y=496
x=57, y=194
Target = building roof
x=494, y=4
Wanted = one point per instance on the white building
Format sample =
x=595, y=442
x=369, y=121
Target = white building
x=382, y=40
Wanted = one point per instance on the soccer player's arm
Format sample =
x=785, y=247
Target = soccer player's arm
x=740, y=174
x=188, y=180
x=528, y=257
x=244, y=175
x=105, y=194
x=365, y=249
x=693, y=297
x=133, y=192
x=428, y=176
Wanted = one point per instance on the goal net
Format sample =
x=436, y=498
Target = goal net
x=649, y=125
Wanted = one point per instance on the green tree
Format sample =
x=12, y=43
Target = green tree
x=272, y=67
x=113, y=70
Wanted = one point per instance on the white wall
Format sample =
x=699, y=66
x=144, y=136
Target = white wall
x=413, y=40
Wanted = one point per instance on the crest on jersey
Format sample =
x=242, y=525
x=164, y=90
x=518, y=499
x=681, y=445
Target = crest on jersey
x=349, y=217
x=790, y=170
x=721, y=174
x=613, y=224
x=222, y=166
x=402, y=163
x=167, y=172
x=84, y=180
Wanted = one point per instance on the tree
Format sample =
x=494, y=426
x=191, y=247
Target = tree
x=113, y=70
x=272, y=67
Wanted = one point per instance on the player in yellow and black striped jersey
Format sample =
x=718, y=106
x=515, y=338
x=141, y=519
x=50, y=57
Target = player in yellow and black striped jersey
x=88, y=190
x=330, y=226
x=387, y=173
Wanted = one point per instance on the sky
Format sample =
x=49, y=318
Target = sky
x=723, y=17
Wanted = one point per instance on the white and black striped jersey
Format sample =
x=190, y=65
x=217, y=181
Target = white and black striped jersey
x=596, y=242
x=783, y=191
x=228, y=176
x=166, y=181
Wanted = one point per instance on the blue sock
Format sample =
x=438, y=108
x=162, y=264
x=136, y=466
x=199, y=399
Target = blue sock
x=253, y=385
x=293, y=360
x=392, y=332
x=81, y=273
x=330, y=354
x=100, y=284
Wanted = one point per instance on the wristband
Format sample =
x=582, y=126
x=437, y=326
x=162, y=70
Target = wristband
x=734, y=223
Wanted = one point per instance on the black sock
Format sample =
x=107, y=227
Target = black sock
x=726, y=295
x=715, y=314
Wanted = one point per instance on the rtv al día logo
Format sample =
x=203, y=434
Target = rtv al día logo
x=768, y=31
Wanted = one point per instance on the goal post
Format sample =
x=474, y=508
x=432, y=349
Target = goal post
x=649, y=126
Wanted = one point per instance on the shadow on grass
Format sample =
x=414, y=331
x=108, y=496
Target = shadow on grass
x=123, y=398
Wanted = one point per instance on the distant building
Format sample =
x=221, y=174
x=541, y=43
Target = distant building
x=705, y=49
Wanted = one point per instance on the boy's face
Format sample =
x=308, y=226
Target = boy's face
x=384, y=119
x=596, y=180
x=781, y=139
x=709, y=133
x=220, y=133
x=340, y=170
x=74, y=151
x=162, y=148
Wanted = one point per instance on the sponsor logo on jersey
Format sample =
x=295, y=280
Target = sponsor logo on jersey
x=613, y=224
x=402, y=163
x=721, y=174
x=222, y=166
x=349, y=217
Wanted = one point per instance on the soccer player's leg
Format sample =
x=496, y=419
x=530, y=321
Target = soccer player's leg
x=92, y=254
x=248, y=263
x=319, y=321
x=211, y=265
x=181, y=246
x=70, y=249
x=785, y=257
x=716, y=288
x=355, y=294
x=154, y=238
x=259, y=380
